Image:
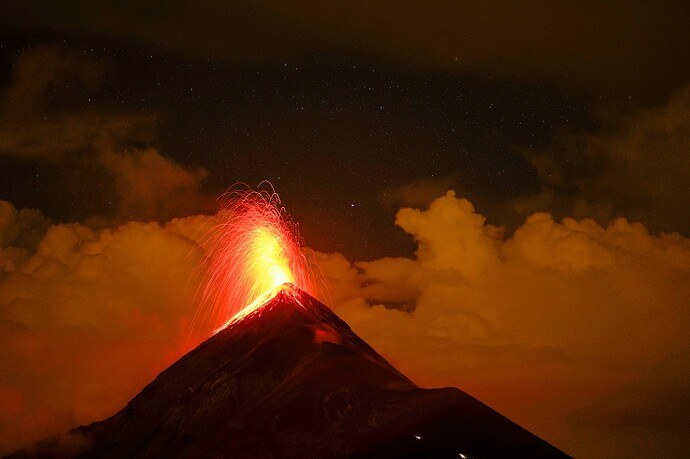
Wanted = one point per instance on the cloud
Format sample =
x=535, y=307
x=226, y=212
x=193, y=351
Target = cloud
x=150, y=185
x=46, y=111
x=416, y=194
x=574, y=330
x=47, y=114
x=20, y=233
x=566, y=45
x=21, y=228
x=89, y=318
x=637, y=168
x=449, y=233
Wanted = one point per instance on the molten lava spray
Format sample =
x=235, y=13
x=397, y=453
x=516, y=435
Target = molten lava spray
x=253, y=251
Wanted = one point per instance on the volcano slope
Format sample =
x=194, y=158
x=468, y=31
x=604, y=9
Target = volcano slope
x=292, y=380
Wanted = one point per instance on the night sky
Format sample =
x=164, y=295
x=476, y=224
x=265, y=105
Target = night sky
x=340, y=108
x=112, y=115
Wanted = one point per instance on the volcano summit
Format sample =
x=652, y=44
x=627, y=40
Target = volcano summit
x=291, y=379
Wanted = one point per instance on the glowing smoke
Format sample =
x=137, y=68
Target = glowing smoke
x=254, y=249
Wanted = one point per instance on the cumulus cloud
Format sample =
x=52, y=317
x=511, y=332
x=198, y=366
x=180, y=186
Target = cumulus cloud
x=20, y=233
x=47, y=114
x=637, y=168
x=88, y=318
x=576, y=331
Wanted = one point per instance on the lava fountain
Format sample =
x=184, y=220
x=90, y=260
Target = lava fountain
x=254, y=249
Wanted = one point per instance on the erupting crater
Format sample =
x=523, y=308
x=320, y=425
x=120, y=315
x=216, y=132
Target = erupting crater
x=253, y=251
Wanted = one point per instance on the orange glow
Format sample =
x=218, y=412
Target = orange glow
x=253, y=251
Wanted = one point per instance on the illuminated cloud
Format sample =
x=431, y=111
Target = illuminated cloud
x=574, y=330
x=89, y=318
x=567, y=327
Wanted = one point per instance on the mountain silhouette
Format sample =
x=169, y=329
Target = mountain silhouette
x=292, y=380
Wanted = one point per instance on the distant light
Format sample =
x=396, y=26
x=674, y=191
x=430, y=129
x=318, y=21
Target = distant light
x=462, y=456
x=418, y=437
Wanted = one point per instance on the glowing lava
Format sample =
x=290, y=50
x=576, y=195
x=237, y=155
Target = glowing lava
x=254, y=250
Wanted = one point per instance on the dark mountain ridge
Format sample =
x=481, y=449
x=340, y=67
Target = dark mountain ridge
x=291, y=379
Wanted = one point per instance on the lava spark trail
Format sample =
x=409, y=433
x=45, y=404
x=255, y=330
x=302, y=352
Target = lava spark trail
x=253, y=250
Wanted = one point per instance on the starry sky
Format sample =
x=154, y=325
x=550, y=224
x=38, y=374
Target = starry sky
x=349, y=112
x=126, y=122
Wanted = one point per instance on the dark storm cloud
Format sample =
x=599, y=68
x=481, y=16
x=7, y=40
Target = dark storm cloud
x=48, y=115
x=45, y=111
x=637, y=167
x=603, y=48
x=20, y=233
x=239, y=31
x=417, y=194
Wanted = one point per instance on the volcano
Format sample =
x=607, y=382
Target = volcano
x=292, y=380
